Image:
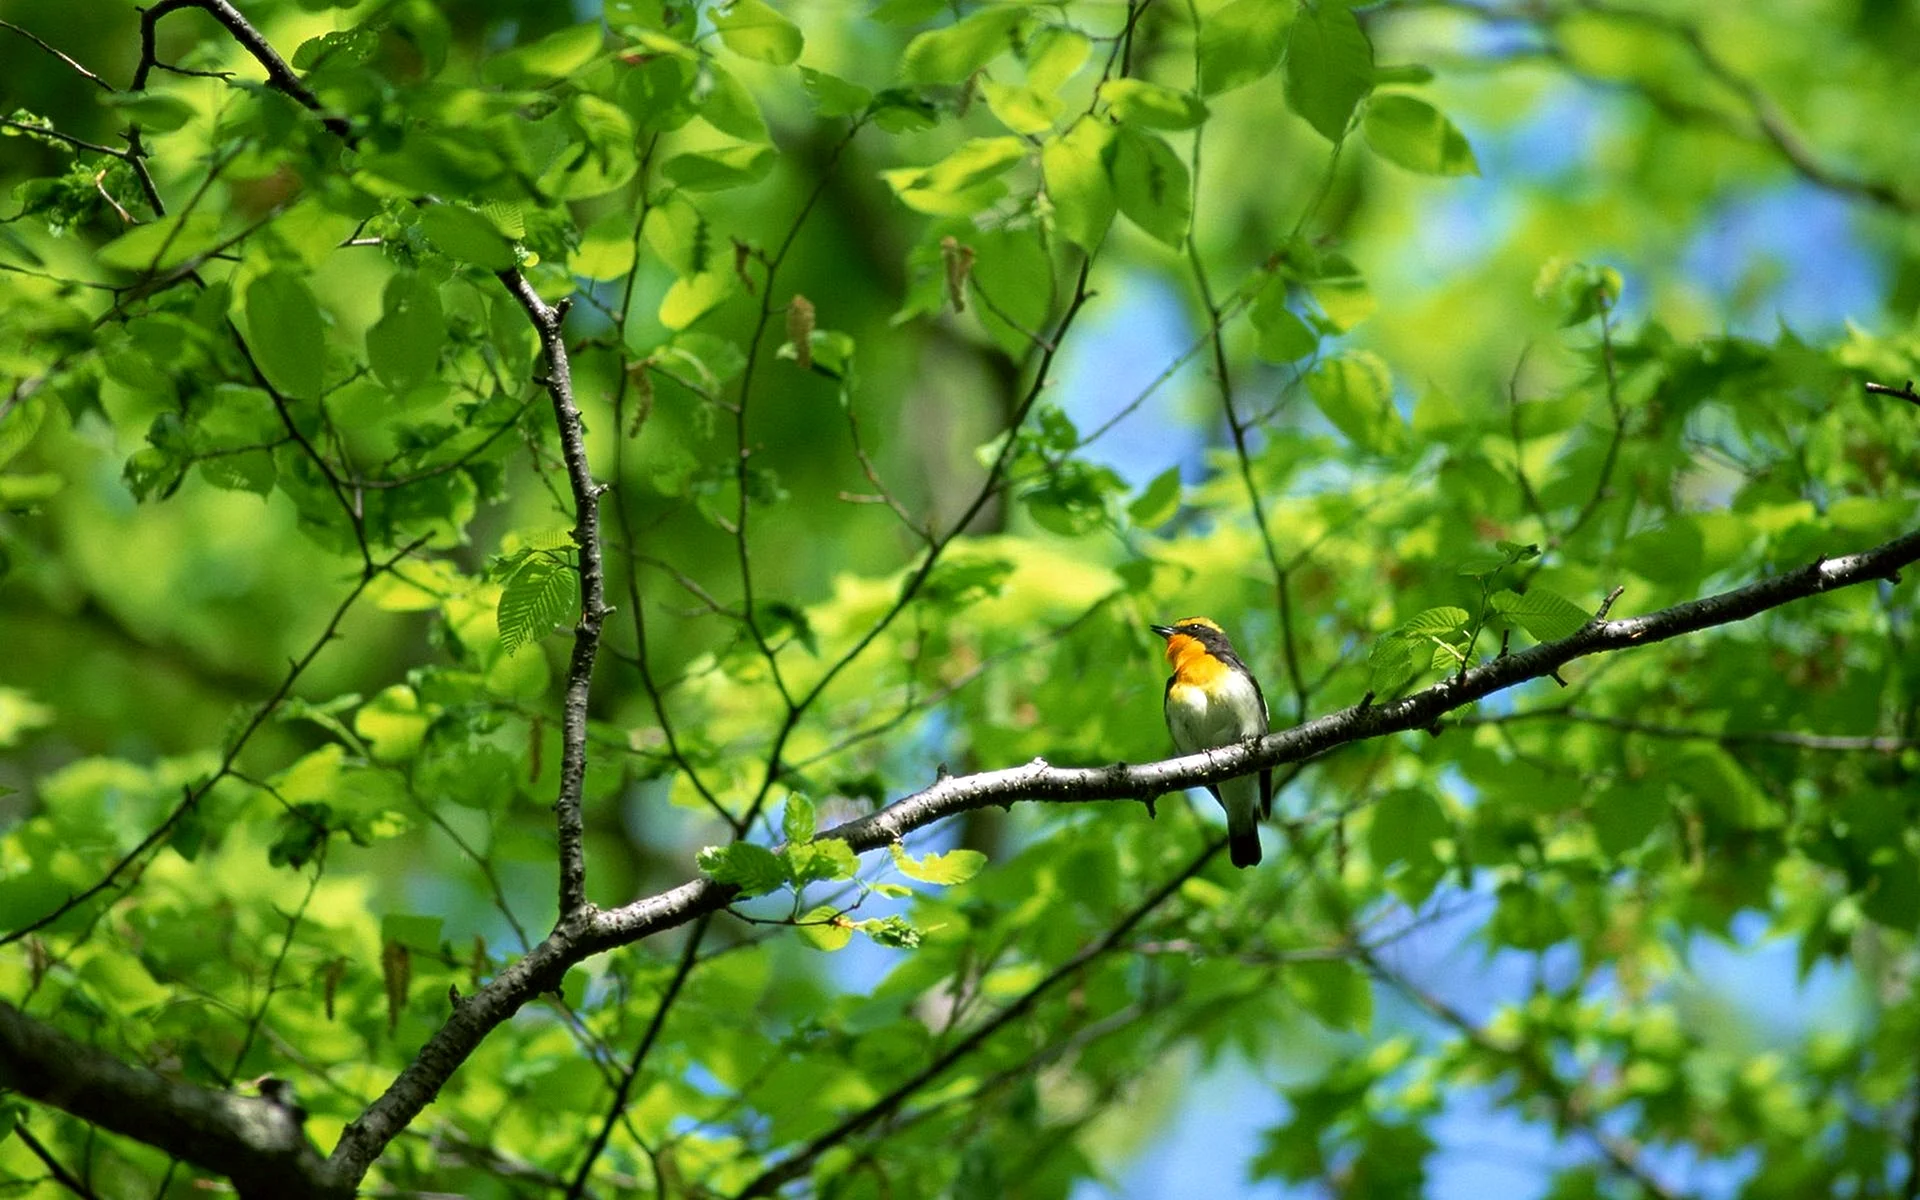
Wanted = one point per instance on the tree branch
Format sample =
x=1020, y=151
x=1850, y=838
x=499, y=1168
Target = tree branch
x=547, y=320
x=257, y=1143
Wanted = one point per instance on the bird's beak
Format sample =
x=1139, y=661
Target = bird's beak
x=1162, y=630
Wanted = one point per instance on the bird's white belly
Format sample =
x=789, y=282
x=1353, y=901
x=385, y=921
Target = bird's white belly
x=1199, y=721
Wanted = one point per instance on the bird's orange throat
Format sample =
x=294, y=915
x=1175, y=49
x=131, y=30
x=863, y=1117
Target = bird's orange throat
x=1192, y=663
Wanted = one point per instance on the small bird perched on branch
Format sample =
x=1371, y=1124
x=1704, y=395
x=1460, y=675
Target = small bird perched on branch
x=1214, y=700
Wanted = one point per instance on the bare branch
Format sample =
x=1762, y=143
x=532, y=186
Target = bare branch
x=547, y=320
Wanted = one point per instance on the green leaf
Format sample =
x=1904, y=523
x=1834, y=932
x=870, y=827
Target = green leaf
x=950, y=55
x=957, y=583
x=754, y=29
x=18, y=426
x=825, y=929
x=346, y=47
x=606, y=249
x=755, y=870
x=1153, y=105
x=1353, y=391
x=403, y=346
x=1390, y=665
x=1342, y=294
x=826, y=858
x=540, y=594
x=1242, y=41
x=464, y=234
x=1333, y=990
x=1284, y=337
x=1055, y=54
x=1548, y=616
x=694, y=296
x=1443, y=620
x=154, y=112
x=894, y=932
x=555, y=56
x=1329, y=68
x=1021, y=108
x=720, y=169
x=393, y=724
x=955, y=866
x=286, y=334
x=962, y=183
x=1417, y=136
x=832, y=95
x=1076, y=169
x=778, y=617
x=797, y=822
x=1158, y=502
x=1151, y=186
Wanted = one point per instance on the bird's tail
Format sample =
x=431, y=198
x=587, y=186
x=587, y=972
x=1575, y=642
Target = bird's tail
x=1242, y=800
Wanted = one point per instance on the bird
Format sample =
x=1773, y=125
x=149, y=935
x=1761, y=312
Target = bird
x=1213, y=700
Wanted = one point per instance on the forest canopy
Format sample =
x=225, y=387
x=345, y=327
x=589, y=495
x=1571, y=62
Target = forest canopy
x=575, y=587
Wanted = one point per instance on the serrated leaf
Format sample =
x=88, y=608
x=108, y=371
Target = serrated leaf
x=1390, y=664
x=1329, y=68
x=1442, y=619
x=537, y=597
x=797, y=822
x=955, y=866
x=754, y=29
x=755, y=870
x=1548, y=616
x=1414, y=134
x=1242, y=41
x=825, y=929
x=286, y=334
